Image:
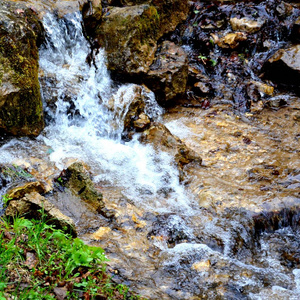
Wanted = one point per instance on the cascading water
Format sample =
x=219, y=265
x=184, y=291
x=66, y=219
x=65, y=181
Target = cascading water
x=180, y=251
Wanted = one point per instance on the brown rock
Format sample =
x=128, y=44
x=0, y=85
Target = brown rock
x=284, y=67
x=32, y=204
x=78, y=180
x=21, y=191
x=232, y=40
x=129, y=36
x=162, y=139
x=246, y=24
x=142, y=122
x=135, y=109
x=171, y=13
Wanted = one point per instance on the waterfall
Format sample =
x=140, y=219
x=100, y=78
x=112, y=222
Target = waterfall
x=85, y=113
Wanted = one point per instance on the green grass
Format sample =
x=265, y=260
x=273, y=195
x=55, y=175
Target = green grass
x=38, y=261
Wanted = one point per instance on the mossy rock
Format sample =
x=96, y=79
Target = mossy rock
x=129, y=36
x=78, y=180
x=21, y=110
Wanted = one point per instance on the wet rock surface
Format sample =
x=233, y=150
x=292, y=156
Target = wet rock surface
x=162, y=139
x=168, y=74
x=24, y=197
x=130, y=32
x=228, y=44
x=78, y=180
x=235, y=235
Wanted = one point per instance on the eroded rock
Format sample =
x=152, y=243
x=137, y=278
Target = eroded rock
x=232, y=40
x=246, y=24
x=171, y=13
x=34, y=205
x=140, y=112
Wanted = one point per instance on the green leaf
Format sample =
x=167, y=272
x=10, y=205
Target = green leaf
x=213, y=62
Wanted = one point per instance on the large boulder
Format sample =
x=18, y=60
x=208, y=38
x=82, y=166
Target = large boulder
x=129, y=36
x=21, y=110
x=168, y=74
x=284, y=67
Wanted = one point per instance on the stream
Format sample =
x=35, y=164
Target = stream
x=229, y=231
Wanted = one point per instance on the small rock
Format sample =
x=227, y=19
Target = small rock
x=31, y=260
x=263, y=88
x=232, y=40
x=247, y=25
x=60, y=292
x=142, y=122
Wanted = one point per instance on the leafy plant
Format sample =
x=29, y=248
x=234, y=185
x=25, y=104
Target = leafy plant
x=35, y=258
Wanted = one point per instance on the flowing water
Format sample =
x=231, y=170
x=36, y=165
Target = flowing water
x=215, y=235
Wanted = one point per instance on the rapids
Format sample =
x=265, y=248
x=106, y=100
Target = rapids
x=209, y=237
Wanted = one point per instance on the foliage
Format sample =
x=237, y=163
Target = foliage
x=37, y=259
x=4, y=199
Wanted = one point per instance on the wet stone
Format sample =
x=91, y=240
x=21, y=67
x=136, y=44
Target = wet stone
x=247, y=25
